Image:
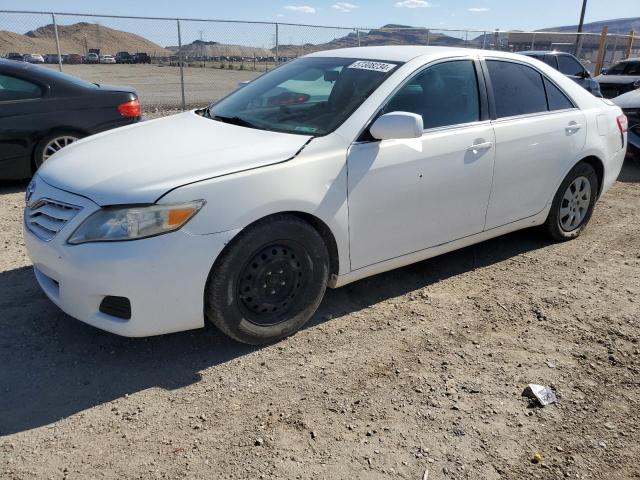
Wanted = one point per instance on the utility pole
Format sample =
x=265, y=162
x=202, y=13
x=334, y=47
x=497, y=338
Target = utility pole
x=579, y=39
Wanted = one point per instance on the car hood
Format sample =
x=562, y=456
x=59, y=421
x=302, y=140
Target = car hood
x=141, y=162
x=628, y=100
x=617, y=79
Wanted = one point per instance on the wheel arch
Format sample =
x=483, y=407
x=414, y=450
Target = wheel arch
x=318, y=225
x=52, y=131
x=598, y=166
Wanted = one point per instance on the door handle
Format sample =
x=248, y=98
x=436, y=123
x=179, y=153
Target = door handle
x=476, y=147
x=573, y=128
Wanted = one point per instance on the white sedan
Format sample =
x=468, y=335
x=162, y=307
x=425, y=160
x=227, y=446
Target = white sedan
x=331, y=168
x=107, y=59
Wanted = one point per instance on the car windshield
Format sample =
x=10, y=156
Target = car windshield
x=308, y=96
x=625, y=68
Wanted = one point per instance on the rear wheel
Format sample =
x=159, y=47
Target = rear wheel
x=573, y=203
x=269, y=281
x=52, y=144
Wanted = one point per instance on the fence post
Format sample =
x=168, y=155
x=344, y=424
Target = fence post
x=533, y=40
x=496, y=39
x=484, y=39
x=180, y=59
x=428, y=36
x=277, y=44
x=629, y=45
x=358, y=34
x=55, y=31
x=601, y=49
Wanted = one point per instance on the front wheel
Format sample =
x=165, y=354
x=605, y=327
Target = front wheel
x=269, y=281
x=573, y=203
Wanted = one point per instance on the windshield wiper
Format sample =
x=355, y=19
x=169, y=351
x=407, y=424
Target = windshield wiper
x=241, y=122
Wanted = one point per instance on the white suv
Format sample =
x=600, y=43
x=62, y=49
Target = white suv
x=331, y=168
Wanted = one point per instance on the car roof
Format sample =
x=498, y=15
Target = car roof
x=543, y=52
x=404, y=53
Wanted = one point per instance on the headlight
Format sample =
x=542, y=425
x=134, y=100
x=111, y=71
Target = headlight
x=116, y=224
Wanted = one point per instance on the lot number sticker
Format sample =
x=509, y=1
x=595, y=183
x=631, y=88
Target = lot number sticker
x=375, y=66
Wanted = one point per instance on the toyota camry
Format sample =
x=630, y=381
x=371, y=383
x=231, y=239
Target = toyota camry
x=333, y=167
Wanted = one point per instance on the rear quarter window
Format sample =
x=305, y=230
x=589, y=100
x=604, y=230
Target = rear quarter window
x=12, y=88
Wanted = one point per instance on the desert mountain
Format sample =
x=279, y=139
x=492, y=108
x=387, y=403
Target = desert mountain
x=617, y=25
x=200, y=48
x=387, y=35
x=77, y=38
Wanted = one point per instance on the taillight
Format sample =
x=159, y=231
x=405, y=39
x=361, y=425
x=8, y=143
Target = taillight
x=130, y=109
x=623, y=123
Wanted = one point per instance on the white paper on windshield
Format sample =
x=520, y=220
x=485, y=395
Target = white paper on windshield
x=375, y=66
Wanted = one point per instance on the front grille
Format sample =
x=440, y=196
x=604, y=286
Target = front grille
x=46, y=217
x=119, y=307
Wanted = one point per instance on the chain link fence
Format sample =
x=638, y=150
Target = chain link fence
x=182, y=63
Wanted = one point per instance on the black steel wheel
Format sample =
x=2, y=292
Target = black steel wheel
x=272, y=282
x=268, y=281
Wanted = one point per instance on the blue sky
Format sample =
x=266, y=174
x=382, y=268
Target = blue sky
x=461, y=14
x=481, y=14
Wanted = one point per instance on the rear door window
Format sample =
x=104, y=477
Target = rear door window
x=517, y=89
x=12, y=88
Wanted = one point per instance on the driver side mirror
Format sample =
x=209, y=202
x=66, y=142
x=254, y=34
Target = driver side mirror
x=397, y=125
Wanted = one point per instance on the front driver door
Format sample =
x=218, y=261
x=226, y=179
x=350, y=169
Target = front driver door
x=408, y=195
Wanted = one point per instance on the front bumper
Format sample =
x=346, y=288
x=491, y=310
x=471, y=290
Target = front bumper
x=164, y=277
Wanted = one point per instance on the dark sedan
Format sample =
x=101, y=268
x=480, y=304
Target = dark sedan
x=42, y=110
x=623, y=77
x=569, y=65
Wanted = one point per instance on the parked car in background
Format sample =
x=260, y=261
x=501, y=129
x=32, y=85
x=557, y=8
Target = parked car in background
x=124, y=57
x=33, y=58
x=73, y=58
x=141, y=57
x=43, y=110
x=331, y=168
x=107, y=59
x=18, y=57
x=92, y=58
x=51, y=58
x=569, y=65
x=623, y=77
x=630, y=104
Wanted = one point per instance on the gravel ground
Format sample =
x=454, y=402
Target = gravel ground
x=159, y=86
x=420, y=369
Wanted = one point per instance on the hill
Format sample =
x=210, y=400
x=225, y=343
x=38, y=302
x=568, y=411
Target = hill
x=387, y=35
x=200, y=48
x=78, y=38
x=617, y=25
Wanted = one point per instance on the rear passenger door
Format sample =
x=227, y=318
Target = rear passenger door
x=538, y=132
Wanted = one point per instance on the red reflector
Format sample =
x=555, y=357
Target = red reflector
x=130, y=109
x=623, y=123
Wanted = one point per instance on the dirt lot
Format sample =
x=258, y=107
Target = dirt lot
x=414, y=370
x=159, y=86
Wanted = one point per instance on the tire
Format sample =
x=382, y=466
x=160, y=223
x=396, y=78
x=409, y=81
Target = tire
x=573, y=203
x=54, y=141
x=268, y=281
